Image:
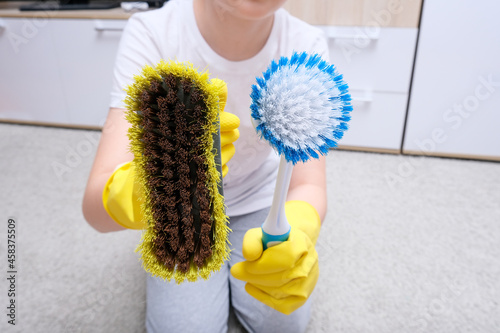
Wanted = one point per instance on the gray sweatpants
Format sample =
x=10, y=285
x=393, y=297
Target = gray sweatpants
x=203, y=306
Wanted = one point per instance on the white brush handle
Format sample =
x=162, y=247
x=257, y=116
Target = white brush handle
x=276, y=228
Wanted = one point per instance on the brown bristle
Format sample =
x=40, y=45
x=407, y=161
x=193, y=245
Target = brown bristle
x=153, y=167
x=163, y=106
x=173, y=120
x=146, y=98
x=156, y=88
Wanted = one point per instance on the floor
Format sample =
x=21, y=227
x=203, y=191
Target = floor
x=410, y=244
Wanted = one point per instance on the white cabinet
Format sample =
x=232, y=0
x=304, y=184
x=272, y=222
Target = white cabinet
x=377, y=64
x=454, y=107
x=59, y=72
x=85, y=51
x=29, y=72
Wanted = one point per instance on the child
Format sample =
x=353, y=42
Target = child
x=235, y=40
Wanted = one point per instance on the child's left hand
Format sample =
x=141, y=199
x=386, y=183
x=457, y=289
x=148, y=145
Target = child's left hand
x=283, y=276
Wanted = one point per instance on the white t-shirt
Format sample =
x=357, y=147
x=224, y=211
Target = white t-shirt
x=171, y=32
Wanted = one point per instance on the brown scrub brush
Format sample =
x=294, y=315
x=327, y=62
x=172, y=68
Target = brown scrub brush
x=173, y=110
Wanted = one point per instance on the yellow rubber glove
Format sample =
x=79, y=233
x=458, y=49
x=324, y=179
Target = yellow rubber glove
x=283, y=276
x=121, y=195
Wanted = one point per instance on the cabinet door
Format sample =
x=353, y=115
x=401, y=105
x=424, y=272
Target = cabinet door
x=377, y=65
x=29, y=74
x=455, y=99
x=85, y=51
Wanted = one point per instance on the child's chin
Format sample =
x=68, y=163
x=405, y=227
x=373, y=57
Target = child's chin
x=254, y=9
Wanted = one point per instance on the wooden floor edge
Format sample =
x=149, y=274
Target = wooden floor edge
x=450, y=155
x=370, y=149
x=49, y=124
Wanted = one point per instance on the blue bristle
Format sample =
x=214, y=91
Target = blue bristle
x=261, y=82
x=302, y=58
x=343, y=87
x=322, y=65
x=340, y=99
x=347, y=108
x=339, y=77
x=283, y=61
x=313, y=61
x=255, y=111
x=345, y=118
x=274, y=67
x=255, y=94
x=292, y=157
x=346, y=98
x=312, y=153
x=267, y=75
x=342, y=126
x=294, y=59
x=338, y=135
x=328, y=141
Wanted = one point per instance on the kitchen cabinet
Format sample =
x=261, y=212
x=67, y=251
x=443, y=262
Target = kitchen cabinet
x=373, y=45
x=57, y=71
x=454, y=107
x=86, y=51
x=378, y=71
x=29, y=80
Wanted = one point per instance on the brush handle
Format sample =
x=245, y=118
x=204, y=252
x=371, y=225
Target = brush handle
x=276, y=228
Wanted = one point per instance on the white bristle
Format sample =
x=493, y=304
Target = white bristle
x=296, y=106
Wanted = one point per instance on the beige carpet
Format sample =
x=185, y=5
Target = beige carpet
x=410, y=244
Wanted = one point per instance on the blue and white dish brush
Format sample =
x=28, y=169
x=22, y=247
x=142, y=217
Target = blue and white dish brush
x=301, y=106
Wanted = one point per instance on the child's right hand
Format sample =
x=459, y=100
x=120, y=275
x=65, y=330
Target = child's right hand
x=122, y=197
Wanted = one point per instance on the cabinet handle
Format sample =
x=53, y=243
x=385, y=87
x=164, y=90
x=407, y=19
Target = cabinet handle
x=334, y=33
x=100, y=26
x=363, y=97
x=108, y=29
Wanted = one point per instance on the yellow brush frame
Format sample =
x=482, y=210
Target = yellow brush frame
x=211, y=92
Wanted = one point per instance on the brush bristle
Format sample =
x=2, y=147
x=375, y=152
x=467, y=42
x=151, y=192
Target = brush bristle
x=173, y=110
x=301, y=106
